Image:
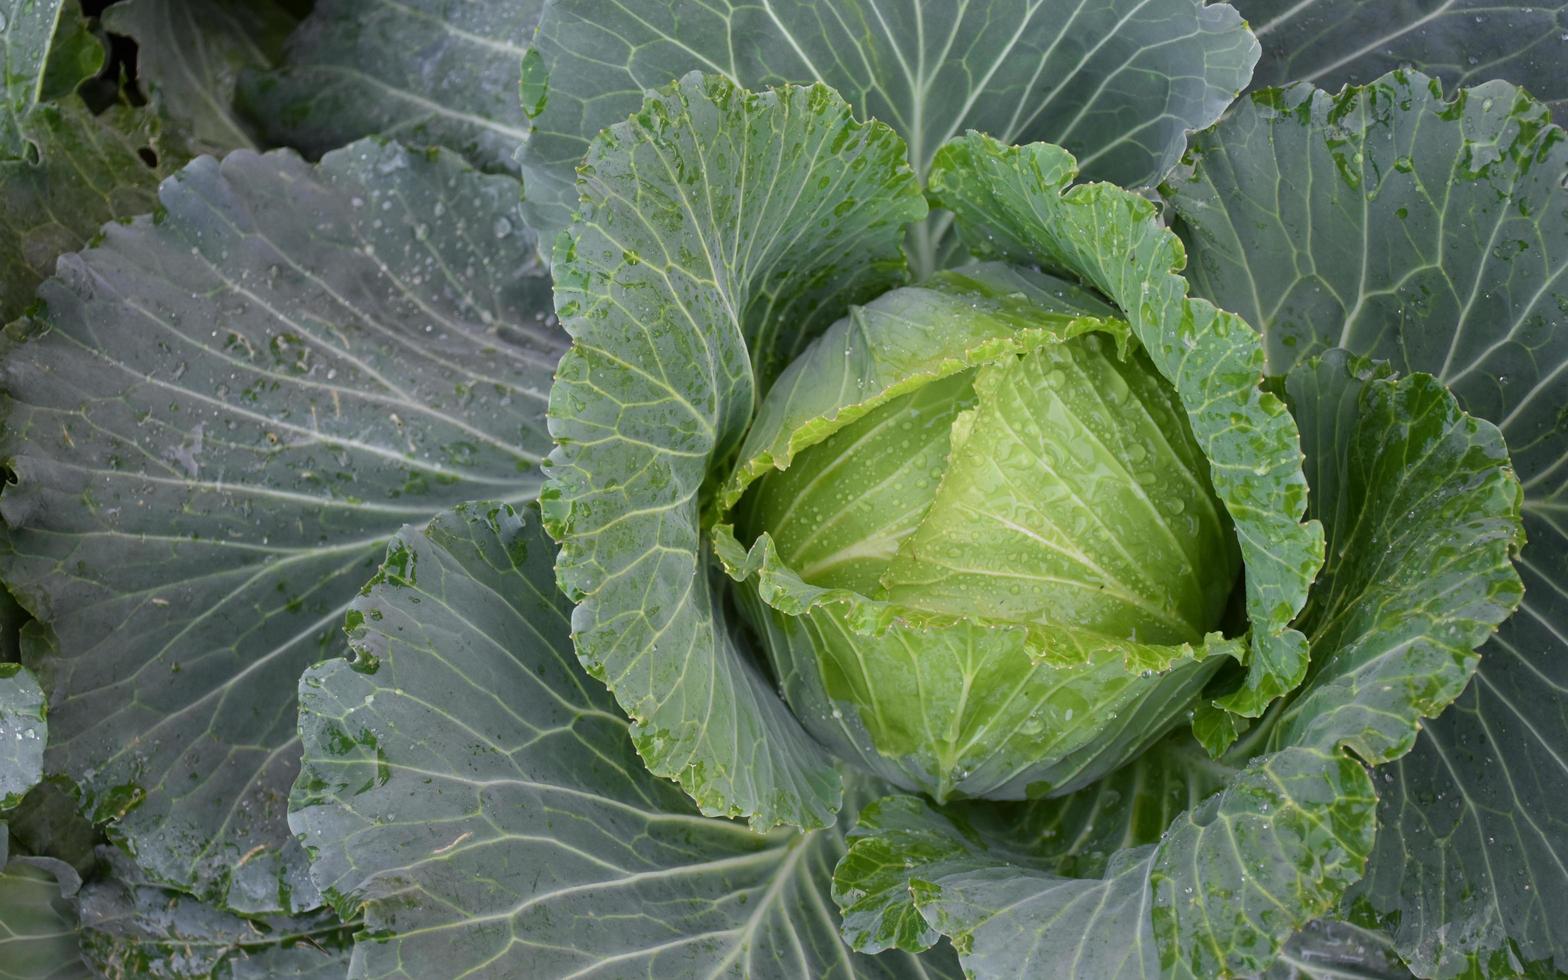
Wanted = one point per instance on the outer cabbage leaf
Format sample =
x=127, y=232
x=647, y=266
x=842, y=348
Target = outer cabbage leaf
x=130, y=927
x=222, y=415
x=1337, y=42
x=1422, y=520
x=1120, y=83
x=719, y=231
x=23, y=733
x=38, y=936
x=1074, y=836
x=479, y=796
x=1235, y=876
x=189, y=57
x=1439, y=242
x=1228, y=883
x=91, y=169
x=426, y=72
x=1013, y=202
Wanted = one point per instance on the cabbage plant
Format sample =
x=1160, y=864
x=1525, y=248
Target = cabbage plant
x=1001, y=535
x=854, y=489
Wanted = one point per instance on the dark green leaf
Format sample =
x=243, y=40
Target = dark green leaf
x=38, y=937
x=12, y=618
x=90, y=170
x=1119, y=82
x=27, y=29
x=480, y=797
x=1440, y=243
x=76, y=53
x=130, y=927
x=1337, y=42
x=48, y=822
x=189, y=56
x=225, y=412
x=1468, y=874
x=427, y=72
x=719, y=231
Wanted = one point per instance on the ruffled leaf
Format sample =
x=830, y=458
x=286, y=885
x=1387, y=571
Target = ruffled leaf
x=1422, y=517
x=1440, y=244
x=720, y=230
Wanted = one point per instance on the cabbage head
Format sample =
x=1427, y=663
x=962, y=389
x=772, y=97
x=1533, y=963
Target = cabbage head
x=1003, y=574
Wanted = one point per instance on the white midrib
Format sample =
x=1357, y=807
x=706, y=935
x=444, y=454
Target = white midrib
x=744, y=937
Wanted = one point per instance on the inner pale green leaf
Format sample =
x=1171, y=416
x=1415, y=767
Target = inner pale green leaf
x=1077, y=496
x=839, y=513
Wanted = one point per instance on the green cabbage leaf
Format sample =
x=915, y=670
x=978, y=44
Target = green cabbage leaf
x=1119, y=83
x=1439, y=244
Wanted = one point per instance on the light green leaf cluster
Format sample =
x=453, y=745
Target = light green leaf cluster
x=890, y=654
